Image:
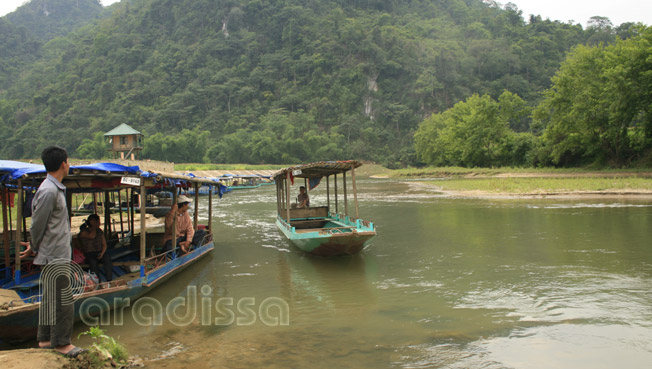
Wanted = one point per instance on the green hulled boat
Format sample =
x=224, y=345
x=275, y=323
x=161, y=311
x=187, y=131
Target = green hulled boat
x=322, y=230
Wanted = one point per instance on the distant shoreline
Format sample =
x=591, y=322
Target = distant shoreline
x=539, y=188
x=529, y=183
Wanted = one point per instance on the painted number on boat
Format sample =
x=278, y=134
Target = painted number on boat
x=134, y=181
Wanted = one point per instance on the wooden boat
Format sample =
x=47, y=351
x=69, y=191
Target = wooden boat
x=135, y=270
x=218, y=190
x=322, y=230
x=245, y=182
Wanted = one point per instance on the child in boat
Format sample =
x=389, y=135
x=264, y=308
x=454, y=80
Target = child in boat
x=93, y=245
x=303, y=200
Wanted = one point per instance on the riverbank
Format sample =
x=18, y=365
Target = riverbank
x=42, y=358
x=542, y=187
x=459, y=172
x=529, y=182
x=32, y=358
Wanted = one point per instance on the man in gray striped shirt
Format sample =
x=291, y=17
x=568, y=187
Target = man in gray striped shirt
x=51, y=238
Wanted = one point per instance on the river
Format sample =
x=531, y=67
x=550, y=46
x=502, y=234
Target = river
x=447, y=283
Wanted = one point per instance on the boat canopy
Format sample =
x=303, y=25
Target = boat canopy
x=11, y=171
x=16, y=177
x=9, y=167
x=319, y=169
x=17, y=169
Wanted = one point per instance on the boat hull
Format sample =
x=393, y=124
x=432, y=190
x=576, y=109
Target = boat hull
x=20, y=324
x=234, y=188
x=322, y=242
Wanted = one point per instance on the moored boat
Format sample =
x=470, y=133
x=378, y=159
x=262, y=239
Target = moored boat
x=138, y=266
x=322, y=230
x=245, y=181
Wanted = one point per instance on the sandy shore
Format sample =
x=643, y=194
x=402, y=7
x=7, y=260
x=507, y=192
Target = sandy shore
x=607, y=194
x=32, y=358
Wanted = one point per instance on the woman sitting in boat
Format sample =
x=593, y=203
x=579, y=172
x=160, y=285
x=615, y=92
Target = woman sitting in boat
x=93, y=245
x=303, y=200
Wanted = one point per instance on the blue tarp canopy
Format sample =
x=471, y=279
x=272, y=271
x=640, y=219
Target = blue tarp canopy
x=108, y=167
x=9, y=167
x=15, y=169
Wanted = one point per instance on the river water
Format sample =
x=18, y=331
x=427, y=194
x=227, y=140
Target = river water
x=447, y=283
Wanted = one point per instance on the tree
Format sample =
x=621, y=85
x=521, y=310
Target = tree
x=93, y=149
x=473, y=133
x=599, y=107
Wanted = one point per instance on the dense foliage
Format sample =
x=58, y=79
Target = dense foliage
x=478, y=132
x=599, y=108
x=277, y=81
x=47, y=19
x=18, y=49
x=598, y=111
x=24, y=31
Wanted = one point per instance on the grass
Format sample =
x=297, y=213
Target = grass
x=105, y=349
x=445, y=172
x=538, y=185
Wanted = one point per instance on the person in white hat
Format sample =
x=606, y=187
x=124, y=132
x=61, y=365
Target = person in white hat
x=185, y=232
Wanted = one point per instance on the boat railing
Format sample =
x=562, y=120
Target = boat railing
x=285, y=223
x=359, y=223
x=158, y=260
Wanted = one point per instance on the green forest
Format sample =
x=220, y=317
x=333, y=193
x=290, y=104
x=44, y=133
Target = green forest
x=409, y=83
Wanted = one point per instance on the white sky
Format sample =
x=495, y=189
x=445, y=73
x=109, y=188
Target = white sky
x=8, y=6
x=578, y=11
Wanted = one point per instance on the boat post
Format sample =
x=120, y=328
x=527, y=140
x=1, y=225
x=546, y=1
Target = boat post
x=355, y=191
x=68, y=207
x=132, y=210
x=5, y=229
x=19, y=229
x=287, y=195
x=328, y=194
x=143, y=226
x=122, y=228
x=336, y=209
x=278, y=198
x=195, y=215
x=174, y=221
x=210, y=207
x=346, y=200
x=107, y=215
x=281, y=190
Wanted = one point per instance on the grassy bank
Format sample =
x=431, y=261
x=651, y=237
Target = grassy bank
x=448, y=172
x=550, y=185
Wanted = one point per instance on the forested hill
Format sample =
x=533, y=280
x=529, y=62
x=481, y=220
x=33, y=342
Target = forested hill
x=24, y=31
x=263, y=81
x=47, y=19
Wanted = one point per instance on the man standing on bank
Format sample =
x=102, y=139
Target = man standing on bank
x=50, y=232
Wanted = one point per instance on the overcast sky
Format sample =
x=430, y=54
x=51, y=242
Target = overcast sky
x=578, y=11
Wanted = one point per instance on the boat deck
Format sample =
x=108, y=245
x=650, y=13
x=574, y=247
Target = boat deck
x=10, y=297
x=329, y=229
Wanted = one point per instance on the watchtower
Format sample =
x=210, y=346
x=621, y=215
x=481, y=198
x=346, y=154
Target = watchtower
x=125, y=140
